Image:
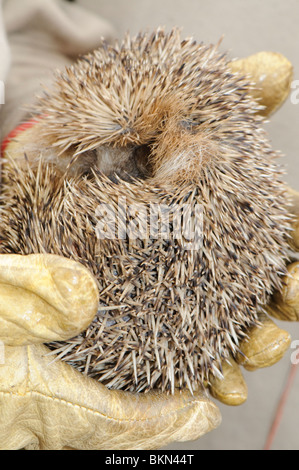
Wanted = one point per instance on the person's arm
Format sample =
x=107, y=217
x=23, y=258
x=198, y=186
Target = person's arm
x=4, y=49
x=4, y=60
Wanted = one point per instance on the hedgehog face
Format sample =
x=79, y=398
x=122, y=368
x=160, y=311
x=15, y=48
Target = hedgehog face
x=158, y=121
x=146, y=96
x=124, y=163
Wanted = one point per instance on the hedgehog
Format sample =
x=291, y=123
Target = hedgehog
x=148, y=163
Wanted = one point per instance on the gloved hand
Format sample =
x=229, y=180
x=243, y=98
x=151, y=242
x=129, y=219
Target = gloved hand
x=272, y=76
x=52, y=406
x=267, y=343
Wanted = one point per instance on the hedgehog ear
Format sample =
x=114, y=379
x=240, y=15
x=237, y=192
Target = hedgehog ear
x=272, y=75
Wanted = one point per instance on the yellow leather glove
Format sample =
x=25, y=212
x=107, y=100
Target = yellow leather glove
x=267, y=343
x=52, y=406
x=272, y=76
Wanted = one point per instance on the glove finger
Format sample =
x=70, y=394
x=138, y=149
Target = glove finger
x=53, y=406
x=284, y=305
x=231, y=389
x=44, y=298
x=272, y=75
x=266, y=345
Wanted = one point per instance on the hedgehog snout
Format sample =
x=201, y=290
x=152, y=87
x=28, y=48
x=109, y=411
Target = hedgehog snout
x=125, y=162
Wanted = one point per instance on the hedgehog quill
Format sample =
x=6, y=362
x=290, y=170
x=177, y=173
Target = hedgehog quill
x=154, y=121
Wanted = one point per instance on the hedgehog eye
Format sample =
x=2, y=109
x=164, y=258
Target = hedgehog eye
x=124, y=162
x=141, y=157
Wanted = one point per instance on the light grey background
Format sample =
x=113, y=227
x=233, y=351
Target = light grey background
x=248, y=27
